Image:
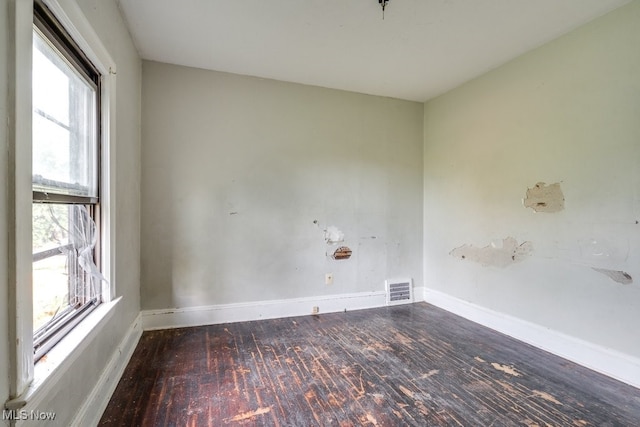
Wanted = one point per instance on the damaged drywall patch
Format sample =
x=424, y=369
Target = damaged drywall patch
x=343, y=252
x=616, y=275
x=544, y=198
x=333, y=235
x=497, y=254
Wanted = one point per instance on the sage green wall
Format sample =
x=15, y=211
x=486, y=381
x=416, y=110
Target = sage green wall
x=568, y=112
x=236, y=170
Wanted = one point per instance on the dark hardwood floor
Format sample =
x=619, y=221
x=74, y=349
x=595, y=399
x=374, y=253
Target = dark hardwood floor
x=413, y=365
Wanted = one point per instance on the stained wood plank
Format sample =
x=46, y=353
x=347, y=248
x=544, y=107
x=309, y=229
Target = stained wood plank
x=410, y=365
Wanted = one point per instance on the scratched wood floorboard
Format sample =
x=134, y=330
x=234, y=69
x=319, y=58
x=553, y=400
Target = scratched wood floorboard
x=413, y=365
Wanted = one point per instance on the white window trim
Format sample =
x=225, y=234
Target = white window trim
x=26, y=382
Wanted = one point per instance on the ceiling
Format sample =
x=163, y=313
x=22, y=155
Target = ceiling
x=422, y=48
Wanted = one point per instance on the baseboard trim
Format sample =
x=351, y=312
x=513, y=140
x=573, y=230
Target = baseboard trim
x=94, y=405
x=612, y=363
x=257, y=310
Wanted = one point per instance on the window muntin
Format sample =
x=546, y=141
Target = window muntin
x=66, y=210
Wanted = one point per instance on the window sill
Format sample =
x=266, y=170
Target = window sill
x=52, y=366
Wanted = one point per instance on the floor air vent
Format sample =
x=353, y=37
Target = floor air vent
x=399, y=291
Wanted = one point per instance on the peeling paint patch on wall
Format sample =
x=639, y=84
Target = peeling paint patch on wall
x=496, y=254
x=544, y=198
x=333, y=235
x=616, y=275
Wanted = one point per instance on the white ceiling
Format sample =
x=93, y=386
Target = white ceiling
x=421, y=49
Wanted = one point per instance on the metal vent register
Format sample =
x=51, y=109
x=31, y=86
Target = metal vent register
x=399, y=291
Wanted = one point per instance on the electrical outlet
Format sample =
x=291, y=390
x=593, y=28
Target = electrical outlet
x=328, y=279
x=315, y=309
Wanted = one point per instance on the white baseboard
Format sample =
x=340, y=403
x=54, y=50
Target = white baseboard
x=609, y=362
x=94, y=405
x=257, y=310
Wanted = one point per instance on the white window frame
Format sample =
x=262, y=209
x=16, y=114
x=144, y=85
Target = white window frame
x=29, y=381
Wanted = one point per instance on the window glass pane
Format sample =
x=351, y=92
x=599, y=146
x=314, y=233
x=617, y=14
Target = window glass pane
x=50, y=226
x=50, y=289
x=51, y=272
x=50, y=85
x=64, y=275
x=51, y=145
x=65, y=135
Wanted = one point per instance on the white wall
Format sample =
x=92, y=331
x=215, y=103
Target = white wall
x=71, y=390
x=4, y=179
x=236, y=170
x=567, y=112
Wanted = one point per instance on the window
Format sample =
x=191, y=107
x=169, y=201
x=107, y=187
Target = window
x=67, y=282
